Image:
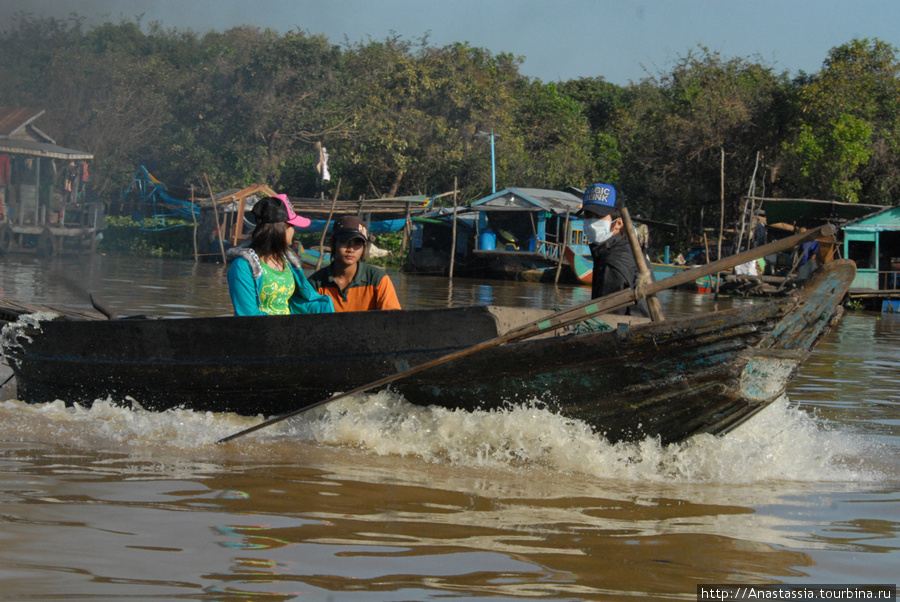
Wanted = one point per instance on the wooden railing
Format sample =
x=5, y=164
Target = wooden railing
x=889, y=280
x=548, y=249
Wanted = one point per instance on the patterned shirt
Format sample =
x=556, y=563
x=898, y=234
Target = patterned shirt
x=277, y=288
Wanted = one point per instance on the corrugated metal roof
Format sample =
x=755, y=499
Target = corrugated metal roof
x=13, y=119
x=529, y=199
x=887, y=218
x=41, y=149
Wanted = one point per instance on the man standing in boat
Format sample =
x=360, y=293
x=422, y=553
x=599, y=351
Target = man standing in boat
x=615, y=267
x=352, y=284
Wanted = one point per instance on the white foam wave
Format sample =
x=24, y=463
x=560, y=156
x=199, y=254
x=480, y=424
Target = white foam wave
x=780, y=443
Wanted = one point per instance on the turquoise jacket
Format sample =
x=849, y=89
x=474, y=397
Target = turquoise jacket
x=245, y=284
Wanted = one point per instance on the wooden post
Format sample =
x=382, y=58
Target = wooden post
x=748, y=217
x=194, y=218
x=453, y=238
x=212, y=199
x=325, y=229
x=239, y=220
x=721, y=211
x=656, y=313
x=562, y=249
x=406, y=231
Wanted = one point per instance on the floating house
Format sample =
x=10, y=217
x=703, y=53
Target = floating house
x=523, y=233
x=43, y=207
x=517, y=233
x=873, y=242
x=433, y=237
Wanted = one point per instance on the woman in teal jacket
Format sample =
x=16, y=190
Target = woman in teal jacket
x=267, y=277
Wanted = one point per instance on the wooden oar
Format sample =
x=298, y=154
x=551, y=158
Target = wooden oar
x=103, y=308
x=572, y=315
x=656, y=313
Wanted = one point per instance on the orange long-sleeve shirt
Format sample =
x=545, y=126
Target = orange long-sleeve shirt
x=371, y=288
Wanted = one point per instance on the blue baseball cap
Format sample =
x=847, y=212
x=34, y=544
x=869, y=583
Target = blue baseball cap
x=599, y=199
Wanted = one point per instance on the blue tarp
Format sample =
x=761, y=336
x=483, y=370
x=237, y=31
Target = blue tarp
x=153, y=193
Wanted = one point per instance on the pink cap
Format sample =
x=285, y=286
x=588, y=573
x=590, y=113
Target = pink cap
x=293, y=219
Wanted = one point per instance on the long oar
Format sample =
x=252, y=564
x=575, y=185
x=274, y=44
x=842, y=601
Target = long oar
x=572, y=315
x=103, y=308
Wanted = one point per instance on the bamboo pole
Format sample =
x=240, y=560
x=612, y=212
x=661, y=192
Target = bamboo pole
x=239, y=220
x=216, y=215
x=406, y=232
x=721, y=210
x=453, y=238
x=656, y=313
x=562, y=249
x=194, y=218
x=750, y=190
x=325, y=229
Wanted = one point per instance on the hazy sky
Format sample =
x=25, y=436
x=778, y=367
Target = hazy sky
x=619, y=40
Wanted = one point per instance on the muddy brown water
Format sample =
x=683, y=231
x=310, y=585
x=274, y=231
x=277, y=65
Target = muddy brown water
x=376, y=499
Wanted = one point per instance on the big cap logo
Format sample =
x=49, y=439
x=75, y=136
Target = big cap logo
x=600, y=194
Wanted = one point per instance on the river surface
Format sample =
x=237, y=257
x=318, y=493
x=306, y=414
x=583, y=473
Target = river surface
x=372, y=498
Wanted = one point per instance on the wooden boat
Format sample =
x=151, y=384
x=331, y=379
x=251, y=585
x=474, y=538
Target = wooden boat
x=310, y=257
x=583, y=269
x=581, y=266
x=703, y=284
x=670, y=379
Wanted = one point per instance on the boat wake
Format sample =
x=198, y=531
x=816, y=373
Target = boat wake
x=780, y=443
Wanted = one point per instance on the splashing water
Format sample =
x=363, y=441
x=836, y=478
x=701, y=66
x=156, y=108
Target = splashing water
x=780, y=443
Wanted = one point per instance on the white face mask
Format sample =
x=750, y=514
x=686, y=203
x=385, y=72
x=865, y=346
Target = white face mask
x=597, y=231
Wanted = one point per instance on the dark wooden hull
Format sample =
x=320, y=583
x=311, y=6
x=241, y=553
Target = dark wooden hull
x=671, y=379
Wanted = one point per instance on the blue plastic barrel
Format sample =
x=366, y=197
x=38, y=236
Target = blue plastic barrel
x=487, y=241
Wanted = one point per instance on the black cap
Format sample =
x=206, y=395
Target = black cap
x=349, y=227
x=276, y=210
x=269, y=211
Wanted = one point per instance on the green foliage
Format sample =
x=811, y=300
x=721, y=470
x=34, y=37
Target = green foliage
x=399, y=117
x=673, y=133
x=392, y=242
x=600, y=100
x=555, y=139
x=124, y=235
x=847, y=133
x=828, y=160
x=417, y=111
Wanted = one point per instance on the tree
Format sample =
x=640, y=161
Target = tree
x=846, y=139
x=553, y=138
x=257, y=101
x=416, y=112
x=601, y=103
x=672, y=134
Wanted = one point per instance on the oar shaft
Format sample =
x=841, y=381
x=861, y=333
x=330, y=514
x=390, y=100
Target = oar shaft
x=609, y=303
x=599, y=305
x=656, y=313
x=728, y=263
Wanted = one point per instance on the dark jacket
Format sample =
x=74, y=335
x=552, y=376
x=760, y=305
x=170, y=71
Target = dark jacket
x=615, y=269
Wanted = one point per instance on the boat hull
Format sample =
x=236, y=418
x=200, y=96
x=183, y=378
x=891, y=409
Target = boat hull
x=670, y=379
